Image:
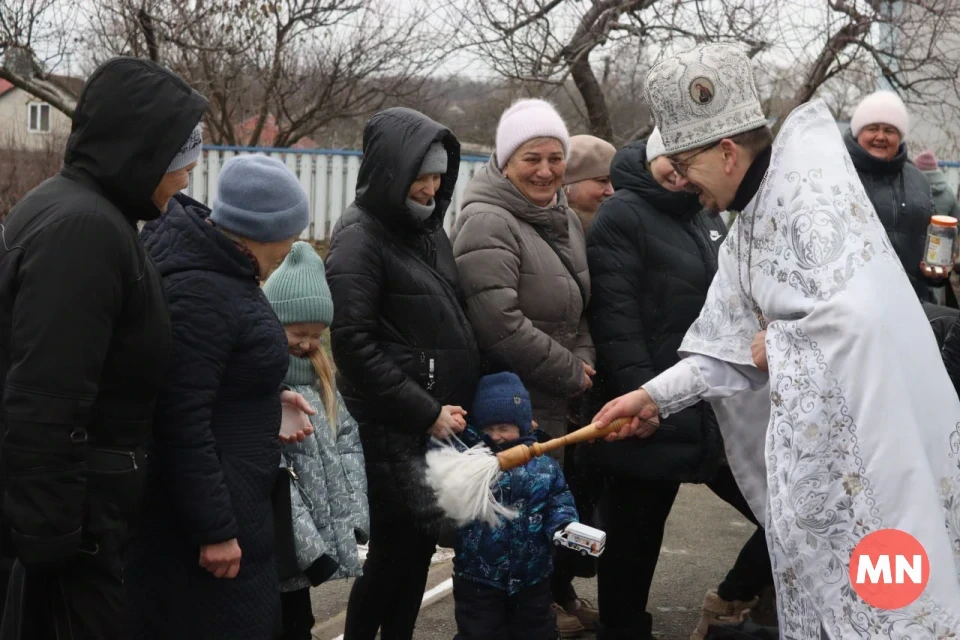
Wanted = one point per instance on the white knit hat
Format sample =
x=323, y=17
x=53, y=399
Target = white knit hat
x=655, y=147
x=882, y=107
x=526, y=120
x=702, y=96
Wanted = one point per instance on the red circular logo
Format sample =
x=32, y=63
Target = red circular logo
x=889, y=569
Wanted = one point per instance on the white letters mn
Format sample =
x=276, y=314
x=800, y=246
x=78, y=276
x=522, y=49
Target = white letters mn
x=880, y=572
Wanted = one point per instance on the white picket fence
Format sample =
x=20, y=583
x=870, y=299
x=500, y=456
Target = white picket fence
x=328, y=177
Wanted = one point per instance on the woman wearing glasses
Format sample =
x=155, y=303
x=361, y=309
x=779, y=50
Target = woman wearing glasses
x=652, y=253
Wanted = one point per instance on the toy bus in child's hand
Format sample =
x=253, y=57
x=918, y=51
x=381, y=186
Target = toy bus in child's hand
x=582, y=538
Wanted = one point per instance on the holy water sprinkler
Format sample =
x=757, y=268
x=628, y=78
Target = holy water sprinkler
x=463, y=480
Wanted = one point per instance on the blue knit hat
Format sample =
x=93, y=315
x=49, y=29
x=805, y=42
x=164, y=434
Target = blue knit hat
x=502, y=399
x=260, y=199
x=298, y=288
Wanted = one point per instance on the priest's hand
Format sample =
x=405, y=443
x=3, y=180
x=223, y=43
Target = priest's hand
x=637, y=405
x=758, y=349
x=935, y=273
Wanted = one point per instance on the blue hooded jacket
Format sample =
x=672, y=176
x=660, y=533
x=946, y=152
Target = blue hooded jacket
x=516, y=554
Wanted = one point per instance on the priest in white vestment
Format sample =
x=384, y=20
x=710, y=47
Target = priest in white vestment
x=860, y=423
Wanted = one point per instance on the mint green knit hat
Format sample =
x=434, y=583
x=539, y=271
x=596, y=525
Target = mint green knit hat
x=298, y=288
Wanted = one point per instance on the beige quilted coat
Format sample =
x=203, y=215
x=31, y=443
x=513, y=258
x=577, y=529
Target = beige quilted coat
x=526, y=310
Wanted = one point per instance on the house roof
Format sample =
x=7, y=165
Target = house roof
x=268, y=134
x=4, y=86
x=68, y=83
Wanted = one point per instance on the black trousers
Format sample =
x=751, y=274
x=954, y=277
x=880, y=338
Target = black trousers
x=488, y=613
x=387, y=596
x=298, y=617
x=634, y=514
x=84, y=598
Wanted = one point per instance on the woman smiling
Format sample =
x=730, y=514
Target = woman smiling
x=522, y=259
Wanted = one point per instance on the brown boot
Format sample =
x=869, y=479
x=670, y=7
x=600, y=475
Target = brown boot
x=569, y=625
x=719, y=611
x=585, y=612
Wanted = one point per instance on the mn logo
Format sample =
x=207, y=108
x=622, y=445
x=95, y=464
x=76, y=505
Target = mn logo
x=889, y=569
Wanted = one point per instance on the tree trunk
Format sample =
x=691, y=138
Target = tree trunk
x=149, y=34
x=822, y=68
x=592, y=93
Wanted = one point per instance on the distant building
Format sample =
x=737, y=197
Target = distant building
x=268, y=134
x=28, y=123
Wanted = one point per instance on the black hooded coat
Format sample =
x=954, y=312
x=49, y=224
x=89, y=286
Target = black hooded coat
x=652, y=255
x=402, y=344
x=84, y=328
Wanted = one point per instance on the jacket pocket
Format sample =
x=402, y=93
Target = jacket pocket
x=44, y=503
x=115, y=477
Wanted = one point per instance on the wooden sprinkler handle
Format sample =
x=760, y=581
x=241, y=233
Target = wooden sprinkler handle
x=522, y=453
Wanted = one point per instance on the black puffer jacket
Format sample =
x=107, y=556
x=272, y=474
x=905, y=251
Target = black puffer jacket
x=901, y=197
x=217, y=451
x=402, y=344
x=652, y=255
x=941, y=320
x=84, y=331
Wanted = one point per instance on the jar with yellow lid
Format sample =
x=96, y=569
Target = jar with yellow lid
x=941, y=242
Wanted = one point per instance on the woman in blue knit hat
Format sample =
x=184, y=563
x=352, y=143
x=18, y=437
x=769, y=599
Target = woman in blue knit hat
x=329, y=489
x=203, y=564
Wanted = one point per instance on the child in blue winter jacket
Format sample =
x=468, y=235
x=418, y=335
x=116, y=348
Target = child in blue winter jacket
x=501, y=585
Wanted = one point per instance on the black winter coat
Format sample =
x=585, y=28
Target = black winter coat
x=901, y=197
x=216, y=445
x=652, y=255
x=84, y=331
x=402, y=344
x=941, y=320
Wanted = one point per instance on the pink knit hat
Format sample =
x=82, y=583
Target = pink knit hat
x=526, y=120
x=926, y=161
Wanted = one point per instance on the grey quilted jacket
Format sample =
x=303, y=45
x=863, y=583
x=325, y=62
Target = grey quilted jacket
x=329, y=497
x=525, y=308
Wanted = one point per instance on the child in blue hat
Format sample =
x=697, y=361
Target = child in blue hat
x=501, y=583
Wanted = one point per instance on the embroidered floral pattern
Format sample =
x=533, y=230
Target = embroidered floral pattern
x=677, y=388
x=821, y=505
x=677, y=90
x=813, y=231
x=950, y=496
x=726, y=326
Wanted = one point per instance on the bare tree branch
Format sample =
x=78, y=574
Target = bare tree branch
x=26, y=25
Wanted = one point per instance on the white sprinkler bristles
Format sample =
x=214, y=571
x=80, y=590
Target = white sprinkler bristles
x=463, y=482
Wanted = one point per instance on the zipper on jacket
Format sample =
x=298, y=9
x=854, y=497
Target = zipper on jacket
x=896, y=207
x=129, y=454
x=296, y=482
x=431, y=381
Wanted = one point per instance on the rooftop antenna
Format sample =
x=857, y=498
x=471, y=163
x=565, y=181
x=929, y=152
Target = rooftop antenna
x=69, y=56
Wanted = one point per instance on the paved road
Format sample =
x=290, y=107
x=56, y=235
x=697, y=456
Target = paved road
x=703, y=538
